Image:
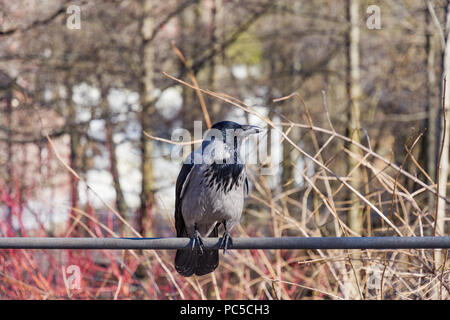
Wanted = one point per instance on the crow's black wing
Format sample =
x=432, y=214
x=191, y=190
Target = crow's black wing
x=189, y=262
x=182, y=181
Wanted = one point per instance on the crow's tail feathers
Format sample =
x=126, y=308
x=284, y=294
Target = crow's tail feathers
x=189, y=262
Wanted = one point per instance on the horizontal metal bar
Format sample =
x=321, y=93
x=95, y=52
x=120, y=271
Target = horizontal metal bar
x=237, y=243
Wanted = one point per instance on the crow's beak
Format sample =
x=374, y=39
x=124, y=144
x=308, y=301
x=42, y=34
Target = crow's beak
x=248, y=129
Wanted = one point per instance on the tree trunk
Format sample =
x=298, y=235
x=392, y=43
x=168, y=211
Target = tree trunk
x=215, y=5
x=120, y=199
x=75, y=159
x=430, y=141
x=148, y=111
x=444, y=138
x=9, y=147
x=355, y=218
x=121, y=205
x=355, y=215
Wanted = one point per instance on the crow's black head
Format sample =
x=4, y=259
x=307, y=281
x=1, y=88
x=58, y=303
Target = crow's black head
x=230, y=128
x=224, y=125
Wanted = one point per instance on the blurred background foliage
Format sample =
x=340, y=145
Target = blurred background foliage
x=94, y=90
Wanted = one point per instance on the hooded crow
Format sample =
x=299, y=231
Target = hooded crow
x=210, y=192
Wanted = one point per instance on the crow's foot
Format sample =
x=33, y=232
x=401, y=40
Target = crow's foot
x=197, y=240
x=226, y=239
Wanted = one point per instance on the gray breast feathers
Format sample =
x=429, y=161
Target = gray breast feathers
x=213, y=194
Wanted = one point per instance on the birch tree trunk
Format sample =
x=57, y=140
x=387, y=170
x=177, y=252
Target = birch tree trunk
x=355, y=218
x=432, y=110
x=431, y=106
x=444, y=138
x=355, y=215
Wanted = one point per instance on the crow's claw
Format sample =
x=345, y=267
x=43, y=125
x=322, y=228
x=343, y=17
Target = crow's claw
x=197, y=241
x=226, y=241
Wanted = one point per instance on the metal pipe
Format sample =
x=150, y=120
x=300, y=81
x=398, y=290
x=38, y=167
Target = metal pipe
x=238, y=243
